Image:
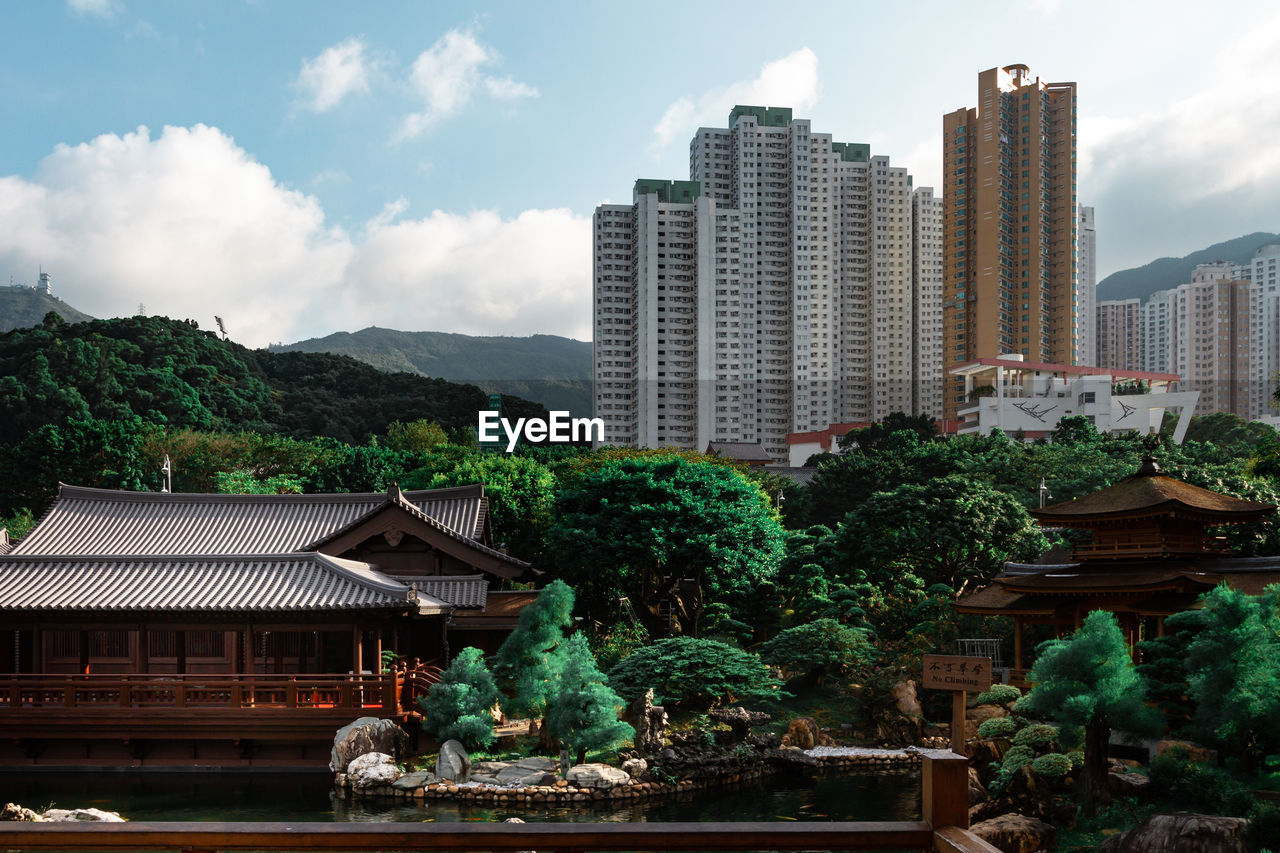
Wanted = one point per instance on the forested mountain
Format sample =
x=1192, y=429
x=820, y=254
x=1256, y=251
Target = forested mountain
x=552, y=370
x=170, y=373
x=1163, y=273
x=21, y=307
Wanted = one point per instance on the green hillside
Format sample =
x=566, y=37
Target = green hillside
x=548, y=369
x=1163, y=273
x=23, y=307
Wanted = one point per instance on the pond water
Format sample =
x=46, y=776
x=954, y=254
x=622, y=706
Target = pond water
x=308, y=797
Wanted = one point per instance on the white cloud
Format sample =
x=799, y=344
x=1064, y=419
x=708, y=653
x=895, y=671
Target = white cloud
x=1205, y=167
x=446, y=76
x=191, y=225
x=101, y=8
x=791, y=81
x=340, y=70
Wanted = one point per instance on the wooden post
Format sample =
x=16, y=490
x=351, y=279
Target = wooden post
x=247, y=644
x=1017, y=642
x=84, y=652
x=945, y=794
x=957, y=721
x=357, y=650
x=377, y=651
x=140, y=650
x=180, y=652
x=37, y=650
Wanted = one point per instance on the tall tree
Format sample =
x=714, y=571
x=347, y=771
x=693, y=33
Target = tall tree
x=583, y=714
x=530, y=660
x=670, y=534
x=1088, y=682
x=460, y=704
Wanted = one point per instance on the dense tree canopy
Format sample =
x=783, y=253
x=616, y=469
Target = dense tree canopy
x=666, y=533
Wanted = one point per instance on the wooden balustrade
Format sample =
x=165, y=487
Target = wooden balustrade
x=209, y=692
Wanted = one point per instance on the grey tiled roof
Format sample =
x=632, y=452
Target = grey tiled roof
x=466, y=591
x=105, y=522
x=254, y=583
x=744, y=451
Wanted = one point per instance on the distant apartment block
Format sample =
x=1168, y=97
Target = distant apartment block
x=1264, y=281
x=793, y=282
x=1010, y=223
x=1018, y=396
x=1118, y=324
x=1087, y=288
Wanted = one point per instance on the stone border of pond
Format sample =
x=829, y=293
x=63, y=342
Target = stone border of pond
x=562, y=793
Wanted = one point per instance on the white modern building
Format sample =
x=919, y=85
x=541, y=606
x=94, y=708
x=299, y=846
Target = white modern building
x=775, y=291
x=1086, y=287
x=1018, y=396
x=1264, y=281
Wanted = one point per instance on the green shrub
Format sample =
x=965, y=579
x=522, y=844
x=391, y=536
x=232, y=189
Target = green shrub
x=1192, y=786
x=821, y=647
x=1052, y=764
x=999, y=694
x=998, y=727
x=459, y=705
x=1038, y=736
x=1077, y=758
x=1015, y=758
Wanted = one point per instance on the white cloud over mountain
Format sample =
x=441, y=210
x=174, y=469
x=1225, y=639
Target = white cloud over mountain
x=190, y=225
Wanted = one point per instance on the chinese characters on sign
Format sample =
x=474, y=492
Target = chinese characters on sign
x=953, y=672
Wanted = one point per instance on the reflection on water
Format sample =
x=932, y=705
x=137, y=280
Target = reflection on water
x=308, y=797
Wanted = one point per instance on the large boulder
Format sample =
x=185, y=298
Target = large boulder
x=70, y=815
x=596, y=776
x=365, y=735
x=650, y=722
x=1015, y=833
x=453, y=764
x=1127, y=784
x=414, y=780
x=372, y=770
x=515, y=774
x=1182, y=833
x=902, y=725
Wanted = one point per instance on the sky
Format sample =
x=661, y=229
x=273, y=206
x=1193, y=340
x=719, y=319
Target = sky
x=301, y=168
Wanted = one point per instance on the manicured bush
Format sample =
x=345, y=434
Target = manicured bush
x=817, y=649
x=998, y=727
x=1015, y=758
x=999, y=694
x=583, y=712
x=1052, y=764
x=1039, y=736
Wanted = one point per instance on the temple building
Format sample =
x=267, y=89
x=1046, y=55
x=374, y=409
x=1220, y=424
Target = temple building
x=1151, y=553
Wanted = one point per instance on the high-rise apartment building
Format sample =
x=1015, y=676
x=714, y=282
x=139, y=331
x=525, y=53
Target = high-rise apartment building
x=1264, y=280
x=1009, y=223
x=774, y=292
x=1086, y=289
x=1119, y=334
x=1159, y=342
x=926, y=245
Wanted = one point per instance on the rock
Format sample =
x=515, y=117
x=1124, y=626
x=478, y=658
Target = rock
x=1015, y=833
x=13, y=811
x=1126, y=784
x=68, y=815
x=365, y=735
x=596, y=776
x=976, y=716
x=802, y=733
x=740, y=721
x=1182, y=833
x=537, y=762
x=514, y=773
x=1197, y=753
x=977, y=793
x=416, y=779
x=636, y=768
x=488, y=768
x=453, y=763
x=650, y=723
x=372, y=770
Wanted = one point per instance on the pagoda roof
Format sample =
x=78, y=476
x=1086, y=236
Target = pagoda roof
x=1150, y=492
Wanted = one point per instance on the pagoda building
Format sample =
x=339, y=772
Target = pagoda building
x=1151, y=553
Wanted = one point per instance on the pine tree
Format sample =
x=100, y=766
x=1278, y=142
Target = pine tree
x=460, y=705
x=583, y=713
x=1088, y=681
x=529, y=662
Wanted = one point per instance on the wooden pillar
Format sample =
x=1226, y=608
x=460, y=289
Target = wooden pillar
x=377, y=651
x=1017, y=642
x=1159, y=626
x=246, y=646
x=37, y=650
x=84, y=652
x=180, y=652
x=321, y=662
x=958, y=698
x=140, y=651
x=357, y=650
x=945, y=789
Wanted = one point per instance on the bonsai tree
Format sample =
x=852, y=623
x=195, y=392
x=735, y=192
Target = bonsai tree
x=694, y=674
x=820, y=648
x=583, y=713
x=460, y=705
x=1088, y=682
